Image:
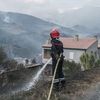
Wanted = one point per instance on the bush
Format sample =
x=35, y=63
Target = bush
x=71, y=68
x=33, y=61
x=20, y=66
x=10, y=65
x=97, y=63
x=87, y=60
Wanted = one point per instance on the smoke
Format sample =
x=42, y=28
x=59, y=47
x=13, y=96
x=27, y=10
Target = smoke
x=7, y=19
x=9, y=51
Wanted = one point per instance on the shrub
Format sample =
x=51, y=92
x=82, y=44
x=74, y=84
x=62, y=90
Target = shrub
x=33, y=61
x=87, y=61
x=97, y=63
x=20, y=66
x=10, y=64
x=71, y=68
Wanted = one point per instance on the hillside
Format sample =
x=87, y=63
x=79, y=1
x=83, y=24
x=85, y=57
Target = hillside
x=83, y=86
x=23, y=35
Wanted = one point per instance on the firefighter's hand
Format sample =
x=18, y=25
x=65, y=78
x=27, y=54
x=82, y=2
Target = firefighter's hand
x=61, y=56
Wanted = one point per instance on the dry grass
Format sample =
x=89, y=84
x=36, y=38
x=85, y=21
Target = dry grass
x=75, y=86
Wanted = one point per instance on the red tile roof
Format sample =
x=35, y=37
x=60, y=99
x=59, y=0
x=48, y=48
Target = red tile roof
x=72, y=43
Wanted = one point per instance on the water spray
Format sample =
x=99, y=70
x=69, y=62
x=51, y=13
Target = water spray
x=37, y=76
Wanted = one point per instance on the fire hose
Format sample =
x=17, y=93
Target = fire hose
x=51, y=87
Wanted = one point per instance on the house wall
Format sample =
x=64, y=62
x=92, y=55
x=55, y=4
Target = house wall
x=44, y=59
x=99, y=53
x=73, y=55
x=99, y=48
x=93, y=49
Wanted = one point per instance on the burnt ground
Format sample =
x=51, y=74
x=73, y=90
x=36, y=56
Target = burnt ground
x=80, y=87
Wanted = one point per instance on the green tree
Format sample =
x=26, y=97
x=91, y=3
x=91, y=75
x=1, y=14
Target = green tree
x=83, y=60
x=97, y=63
x=87, y=57
x=91, y=61
x=87, y=60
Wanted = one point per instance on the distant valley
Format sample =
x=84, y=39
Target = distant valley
x=23, y=35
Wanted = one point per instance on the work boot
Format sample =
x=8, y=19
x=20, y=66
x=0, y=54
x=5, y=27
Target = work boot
x=56, y=86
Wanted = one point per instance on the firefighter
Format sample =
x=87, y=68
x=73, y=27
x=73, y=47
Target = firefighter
x=56, y=53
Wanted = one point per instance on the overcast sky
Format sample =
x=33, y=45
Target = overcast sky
x=41, y=7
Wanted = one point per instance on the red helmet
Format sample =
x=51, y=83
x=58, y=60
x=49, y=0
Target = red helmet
x=54, y=33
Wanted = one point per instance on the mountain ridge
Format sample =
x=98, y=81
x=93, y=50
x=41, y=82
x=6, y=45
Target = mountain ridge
x=24, y=34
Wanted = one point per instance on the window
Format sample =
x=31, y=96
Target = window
x=47, y=53
x=71, y=55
